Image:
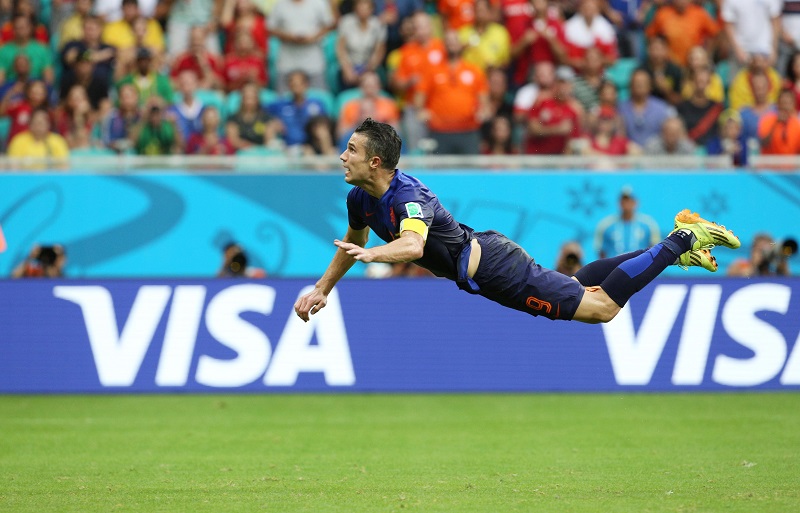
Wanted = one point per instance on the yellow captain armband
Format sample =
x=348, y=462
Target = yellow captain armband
x=415, y=225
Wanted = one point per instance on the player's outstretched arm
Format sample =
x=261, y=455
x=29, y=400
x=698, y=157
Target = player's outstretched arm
x=407, y=248
x=315, y=300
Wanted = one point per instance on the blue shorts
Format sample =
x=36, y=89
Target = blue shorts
x=509, y=276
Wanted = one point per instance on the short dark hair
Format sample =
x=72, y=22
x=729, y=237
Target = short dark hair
x=382, y=141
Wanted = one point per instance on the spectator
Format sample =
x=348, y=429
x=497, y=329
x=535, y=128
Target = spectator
x=20, y=109
x=731, y=140
x=371, y=104
x=666, y=76
x=25, y=8
x=301, y=25
x=22, y=69
x=245, y=64
x=554, y=119
x=114, y=10
x=208, y=140
x=793, y=75
x=779, y=131
x=671, y=141
x=627, y=230
x=536, y=36
x=74, y=118
x=393, y=14
x=498, y=139
x=605, y=137
x=698, y=59
x=89, y=62
x=39, y=55
x=185, y=14
x=206, y=64
x=243, y=16
x=38, y=141
x=42, y=262
x=148, y=82
x=752, y=28
x=764, y=259
x=587, y=83
x=487, y=43
x=251, y=125
x=117, y=127
x=790, y=33
x=570, y=258
x=684, y=25
x=741, y=90
x=295, y=112
x=320, y=138
x=361, y=44
x=121, y=34
x=126, y=57
x=235, y=264
x=587, y=28
x=643, y=114
x=157, y=133
x=542, y=82
x=606, y=100
x=188, y=111
x=72, y=28
x=456, y=14
x=453, y=100
x=751, y=115
x=421, y=53
x=499, y=103
x=698, y=112
x=627, y=16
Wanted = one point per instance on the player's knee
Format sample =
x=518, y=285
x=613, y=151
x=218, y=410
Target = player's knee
x=608, y=311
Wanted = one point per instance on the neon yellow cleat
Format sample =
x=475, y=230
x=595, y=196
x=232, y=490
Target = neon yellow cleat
x=700, y=258
x=708, y=234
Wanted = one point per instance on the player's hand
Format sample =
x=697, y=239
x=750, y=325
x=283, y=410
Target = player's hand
x=355, y=251
x=310, y=303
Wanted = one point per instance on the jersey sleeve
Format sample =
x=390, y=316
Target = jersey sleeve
x=413, y=214
x=355, y=213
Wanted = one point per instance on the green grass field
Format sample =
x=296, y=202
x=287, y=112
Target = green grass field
x=381, y=453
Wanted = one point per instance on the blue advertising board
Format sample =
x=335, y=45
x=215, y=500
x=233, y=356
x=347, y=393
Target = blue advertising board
x=174, y=225
x=123, y=336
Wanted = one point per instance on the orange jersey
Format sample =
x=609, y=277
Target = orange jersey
x=383, y=110
x=457, y=13
x=683, y=30
x=785, y=136
x=417, y=60
x=452, y=92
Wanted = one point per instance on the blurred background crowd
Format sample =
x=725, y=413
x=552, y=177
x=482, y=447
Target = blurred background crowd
x=220, y=77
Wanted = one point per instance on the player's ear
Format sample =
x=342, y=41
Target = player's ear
x=375, y=162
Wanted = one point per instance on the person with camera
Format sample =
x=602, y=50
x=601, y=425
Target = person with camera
x=42, y=262
x=766, y=258
x=235, y=264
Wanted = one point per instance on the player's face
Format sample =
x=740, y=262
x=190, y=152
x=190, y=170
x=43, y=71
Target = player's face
x=354, y=160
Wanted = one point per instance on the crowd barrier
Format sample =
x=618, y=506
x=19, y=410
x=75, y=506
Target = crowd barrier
x=395, y=335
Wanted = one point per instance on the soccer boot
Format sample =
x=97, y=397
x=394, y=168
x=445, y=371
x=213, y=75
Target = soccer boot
x=700, y=258
x=708, y=234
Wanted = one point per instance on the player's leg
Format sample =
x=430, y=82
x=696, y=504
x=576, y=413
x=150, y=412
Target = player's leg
x=692, y=234
x=593, y=273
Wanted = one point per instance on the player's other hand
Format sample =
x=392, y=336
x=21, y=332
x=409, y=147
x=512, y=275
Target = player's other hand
x=310, y=303
x=355, y=251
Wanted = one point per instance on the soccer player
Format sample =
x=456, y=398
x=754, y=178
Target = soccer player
x=417, y=228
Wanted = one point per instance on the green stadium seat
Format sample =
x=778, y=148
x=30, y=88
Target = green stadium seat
x=620, y=72
x=260, y=151
x=92, y=152
x=272, y=61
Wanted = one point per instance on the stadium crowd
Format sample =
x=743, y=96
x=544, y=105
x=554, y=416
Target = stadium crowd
x=222, y=77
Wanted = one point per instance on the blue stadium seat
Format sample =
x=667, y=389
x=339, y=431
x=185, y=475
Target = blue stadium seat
x=234, y=100
x=215, y=98
x=260, y=151
x=272, y=61
x=332, y=63
x=5, y=128
x=92, y=152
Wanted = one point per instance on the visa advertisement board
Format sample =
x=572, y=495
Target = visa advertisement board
x=126, y=336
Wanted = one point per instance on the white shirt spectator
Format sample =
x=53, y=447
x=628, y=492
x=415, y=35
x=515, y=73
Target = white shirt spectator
x=791, y=20
x=752, y=23
x=584, y=35
x=111, y=10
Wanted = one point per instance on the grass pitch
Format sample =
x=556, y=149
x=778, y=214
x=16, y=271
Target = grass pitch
x=382, y=453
